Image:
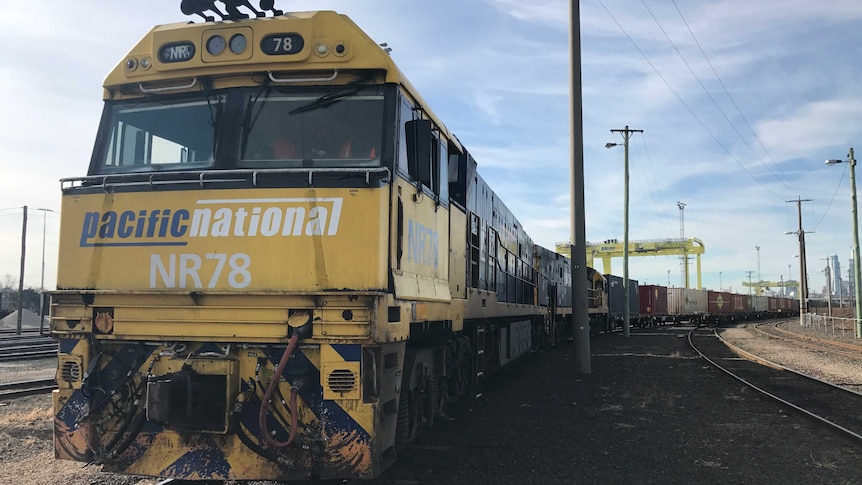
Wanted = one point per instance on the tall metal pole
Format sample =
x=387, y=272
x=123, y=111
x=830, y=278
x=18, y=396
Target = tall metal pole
x=21, y=277
x=759, y=278
x=578, y=250
x=681, y=206
x=720, y=286
x=828, y=288
x=627, y=134
x=42, y=288
x=857, y=277
x=749, y=282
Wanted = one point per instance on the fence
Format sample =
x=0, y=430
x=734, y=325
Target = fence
x=834, y=325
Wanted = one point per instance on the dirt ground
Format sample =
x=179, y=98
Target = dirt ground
x=650, y=412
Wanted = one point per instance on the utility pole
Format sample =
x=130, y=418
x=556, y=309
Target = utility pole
x=578, y=249
x=828, y=288
x=803, y=268
x=627, y=134
x=720, y=286
x=681, y=206
x=759, y=278
x=749, y=282
x=42, y=287
x=21, y=277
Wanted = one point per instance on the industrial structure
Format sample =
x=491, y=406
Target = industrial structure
x=612, y=248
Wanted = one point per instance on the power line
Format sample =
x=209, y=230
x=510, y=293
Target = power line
x=833, y=198
x=660, y=204
x=744, y=119
x=720, y=110
x=687, y=107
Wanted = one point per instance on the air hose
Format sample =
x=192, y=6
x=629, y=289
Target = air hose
x=270, y=389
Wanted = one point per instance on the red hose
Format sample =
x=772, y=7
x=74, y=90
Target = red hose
x=270, y=389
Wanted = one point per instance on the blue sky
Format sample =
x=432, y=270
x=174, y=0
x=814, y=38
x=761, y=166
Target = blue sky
x=740, y=103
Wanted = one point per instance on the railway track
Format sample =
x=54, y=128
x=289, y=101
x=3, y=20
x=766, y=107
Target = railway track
x=27, y=347
x=774, y=330
x=13, y=390
x=827, y=404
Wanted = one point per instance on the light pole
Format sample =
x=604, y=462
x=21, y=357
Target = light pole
x=42, y=288
x=720, y=286
x=681, y=206
x=668, y=278
x=627, y=134
x=852, y=162
x=759, y=279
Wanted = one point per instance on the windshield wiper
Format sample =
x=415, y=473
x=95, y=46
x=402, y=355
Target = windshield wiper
x=326, y=100
x=333, y=97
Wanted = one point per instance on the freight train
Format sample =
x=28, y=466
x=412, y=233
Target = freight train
x=651, y=305
x=280, y=264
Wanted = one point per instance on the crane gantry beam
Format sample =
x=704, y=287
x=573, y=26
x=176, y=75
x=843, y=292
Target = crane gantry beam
x=660, y=247
x=759, y=286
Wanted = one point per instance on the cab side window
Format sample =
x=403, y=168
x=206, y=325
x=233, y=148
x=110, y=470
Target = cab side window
x=423, y=153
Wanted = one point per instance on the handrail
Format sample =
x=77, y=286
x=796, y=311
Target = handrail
x=200, y=177
x=167, y=88
x=302, y=80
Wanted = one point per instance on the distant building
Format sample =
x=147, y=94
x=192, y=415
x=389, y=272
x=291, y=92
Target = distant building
x=837, y=284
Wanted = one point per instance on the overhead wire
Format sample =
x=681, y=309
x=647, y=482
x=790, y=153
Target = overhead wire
x=829, y=205
x=651, y=184
x=712, y=98
x=687, y=107
x=727, y=92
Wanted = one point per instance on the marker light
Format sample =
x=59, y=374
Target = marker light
x=238, y=43
x=215, y=45
x=322, y=49
x=146, y=63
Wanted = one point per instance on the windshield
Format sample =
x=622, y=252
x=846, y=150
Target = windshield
x=313, y=129
x=163, y=135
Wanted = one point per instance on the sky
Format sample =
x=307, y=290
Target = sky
x=740, y=103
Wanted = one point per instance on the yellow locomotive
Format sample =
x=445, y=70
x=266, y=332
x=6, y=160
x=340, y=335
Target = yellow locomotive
x=280, y=264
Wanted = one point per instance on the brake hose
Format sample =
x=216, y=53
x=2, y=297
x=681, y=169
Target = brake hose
x=270, y=389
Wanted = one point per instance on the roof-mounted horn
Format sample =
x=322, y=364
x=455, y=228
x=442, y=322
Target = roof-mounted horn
x=232, y=9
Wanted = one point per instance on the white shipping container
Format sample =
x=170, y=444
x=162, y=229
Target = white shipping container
x=761, y=303
x=686, y=301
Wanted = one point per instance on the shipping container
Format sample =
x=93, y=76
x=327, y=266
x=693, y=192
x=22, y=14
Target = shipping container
x=719, y=302
x=683, y=303
x=761, y=304
x=653, y=300
x=741, y=304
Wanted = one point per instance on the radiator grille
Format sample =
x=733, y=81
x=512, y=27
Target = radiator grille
x=70, y=372
x=342, y=381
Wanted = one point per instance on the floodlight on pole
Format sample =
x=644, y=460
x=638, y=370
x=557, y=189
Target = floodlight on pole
x=627, y=134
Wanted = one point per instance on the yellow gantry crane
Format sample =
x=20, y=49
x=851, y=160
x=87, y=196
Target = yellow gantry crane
x=612, y=248
x=759, y=286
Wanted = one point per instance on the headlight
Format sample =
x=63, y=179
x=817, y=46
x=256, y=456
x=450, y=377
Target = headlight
x=215, y=45
x=238, y=44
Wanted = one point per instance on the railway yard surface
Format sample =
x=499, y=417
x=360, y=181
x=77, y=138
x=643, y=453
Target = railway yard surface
x=652, y=411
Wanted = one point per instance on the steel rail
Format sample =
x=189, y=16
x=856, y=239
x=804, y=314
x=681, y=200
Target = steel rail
x=26, y=388
x=761, y=360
